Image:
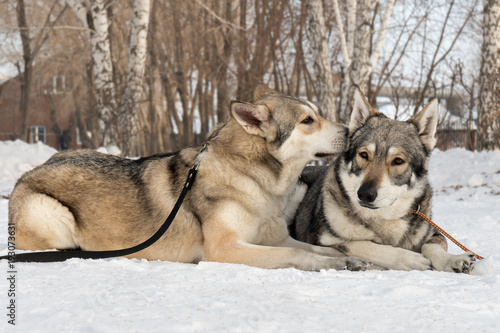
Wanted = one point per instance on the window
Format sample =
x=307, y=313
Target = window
x=58, y=84
x=38, y=133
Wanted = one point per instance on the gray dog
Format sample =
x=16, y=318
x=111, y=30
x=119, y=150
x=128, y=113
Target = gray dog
x=359, y=205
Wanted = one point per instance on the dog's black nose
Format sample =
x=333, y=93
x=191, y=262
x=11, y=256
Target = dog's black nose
x=367, y=193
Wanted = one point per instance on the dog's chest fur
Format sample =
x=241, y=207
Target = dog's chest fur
x=353, y=227
x=266, y=223
x=271, y=224
x=251, y=197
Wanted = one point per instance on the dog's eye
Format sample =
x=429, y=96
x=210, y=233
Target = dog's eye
x=363, y=155
x=307, y=120
x=398, y=161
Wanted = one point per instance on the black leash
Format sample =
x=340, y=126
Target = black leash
x=55, y=256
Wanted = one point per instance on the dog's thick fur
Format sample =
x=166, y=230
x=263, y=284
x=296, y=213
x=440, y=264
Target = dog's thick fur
x=359, y=204
x=234, y=212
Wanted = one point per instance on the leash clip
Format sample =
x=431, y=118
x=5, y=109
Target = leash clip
x=197, y=161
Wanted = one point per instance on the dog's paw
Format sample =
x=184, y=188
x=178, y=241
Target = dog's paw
x=355, y=264
x=338, y=263
x=406, y=260
x=462, y=263
x=345, y=263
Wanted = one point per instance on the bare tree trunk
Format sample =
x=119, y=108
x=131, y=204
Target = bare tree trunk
x=242, y=54
x=300, y=68
x=53, y=119
x=470, y=89
x=129, y=113
x=171, y=113
x=321, y=58
x=29, y=53
x=489, y=90
x=222, y=89
x=185, y=126
x=156, y=140
x=91, y=121
x=85, y=133
x=26, y=75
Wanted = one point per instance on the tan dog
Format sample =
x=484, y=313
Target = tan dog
x=234, y=212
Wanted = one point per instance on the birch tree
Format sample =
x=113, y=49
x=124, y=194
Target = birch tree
x=489, y=96
x=359, y=56
x=321, y=59
x=129, y=113
x=95, y=18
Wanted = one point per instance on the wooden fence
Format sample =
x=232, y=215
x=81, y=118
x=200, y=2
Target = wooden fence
x=456, y=138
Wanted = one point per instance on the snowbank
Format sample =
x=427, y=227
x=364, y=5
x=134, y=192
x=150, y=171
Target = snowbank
x=17, y=157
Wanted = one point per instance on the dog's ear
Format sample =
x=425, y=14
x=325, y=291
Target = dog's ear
x=262, y=90
x=361, y=111
x=426, y=121
x=255, y=119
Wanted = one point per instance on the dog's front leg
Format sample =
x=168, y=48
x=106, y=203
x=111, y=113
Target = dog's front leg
x=325, y=251
x=239, y=252
x=385, y=255
x=228, y=245
x=322, y=250
x=436, y=250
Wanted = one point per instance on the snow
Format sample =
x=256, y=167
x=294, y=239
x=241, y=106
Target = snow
x=16, y=158
x=476, y=180
x=111, y=149
x=121, y=295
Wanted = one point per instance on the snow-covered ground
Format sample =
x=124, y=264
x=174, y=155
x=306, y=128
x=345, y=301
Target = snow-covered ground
x=121, y=295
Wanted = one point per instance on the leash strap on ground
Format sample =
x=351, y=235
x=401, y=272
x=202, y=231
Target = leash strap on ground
x=55, y=256
x=428, y=220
